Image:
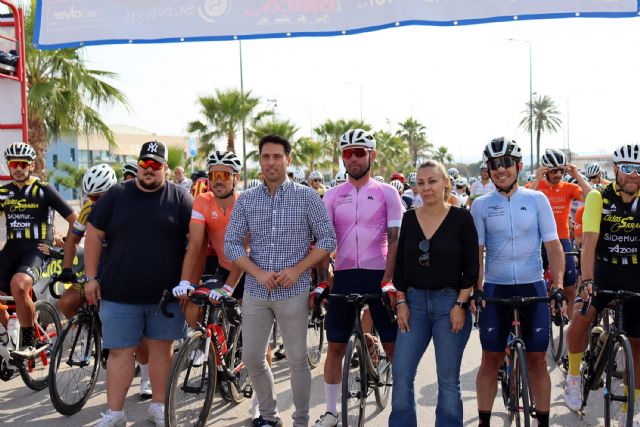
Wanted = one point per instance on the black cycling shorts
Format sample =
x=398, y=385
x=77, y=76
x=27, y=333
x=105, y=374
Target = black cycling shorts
x=609, y=276
x=20, y=257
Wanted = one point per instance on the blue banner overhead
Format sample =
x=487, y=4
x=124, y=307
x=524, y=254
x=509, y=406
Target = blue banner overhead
x=68, y=23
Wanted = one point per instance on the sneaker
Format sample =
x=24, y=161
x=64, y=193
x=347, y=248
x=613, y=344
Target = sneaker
x=27, y=348
x=622, y=421
x=573, y=392
x=327, y=420
x=111, y=420
x=197, y=358
x=261, y=422
x=145, y=389
x=155, y=414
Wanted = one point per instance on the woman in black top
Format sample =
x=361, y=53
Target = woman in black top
x=436, y=266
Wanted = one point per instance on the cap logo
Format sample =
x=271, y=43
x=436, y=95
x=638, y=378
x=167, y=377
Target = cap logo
x=153, y=147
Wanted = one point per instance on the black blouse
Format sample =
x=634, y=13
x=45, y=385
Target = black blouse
x=453, y=253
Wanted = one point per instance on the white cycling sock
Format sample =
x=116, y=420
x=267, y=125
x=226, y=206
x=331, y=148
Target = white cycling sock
x=144, y=372
x=157, y=405
x=116, y=413
x=331, y=396
x=255, y=408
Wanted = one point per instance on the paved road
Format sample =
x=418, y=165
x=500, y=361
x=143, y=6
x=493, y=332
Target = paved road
x=22, y=407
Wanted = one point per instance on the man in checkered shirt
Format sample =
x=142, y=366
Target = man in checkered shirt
x=280, y=218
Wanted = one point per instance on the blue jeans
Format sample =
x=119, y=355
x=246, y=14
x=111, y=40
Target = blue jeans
x=429, y=317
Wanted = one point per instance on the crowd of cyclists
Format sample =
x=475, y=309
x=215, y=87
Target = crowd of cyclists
x=436, y=245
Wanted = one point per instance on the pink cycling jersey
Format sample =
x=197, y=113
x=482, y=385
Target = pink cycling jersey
x=361, y=219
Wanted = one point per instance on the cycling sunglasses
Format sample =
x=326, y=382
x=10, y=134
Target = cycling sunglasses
x=222, y=175
x=358, y=152
x=501, y=162
x=424, y=259
x=629, y=168
x=22, y=164
x=557, y=170
x=316, y=180
x=150, y=163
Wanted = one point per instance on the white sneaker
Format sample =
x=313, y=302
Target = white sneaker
x=111, y=420
x=327, y=420
x=573, y=392
x=622, y=421
x=145, y=389
x=197, y=358
x=155, y=414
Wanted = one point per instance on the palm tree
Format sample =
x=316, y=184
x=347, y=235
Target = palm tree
x=414, y=134
x=442, y=155
x=310, y=154
x=176, y=156
x=392, y=154
x=222, y=115
x=329, y=134
x=545, y=119
x=64, y=94
x=262, y=128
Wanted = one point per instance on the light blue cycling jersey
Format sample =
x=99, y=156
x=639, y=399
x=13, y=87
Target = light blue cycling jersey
x=511, y=230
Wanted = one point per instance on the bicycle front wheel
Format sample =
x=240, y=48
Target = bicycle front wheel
x=556, y=340
x=191, y=385
x=383, y=369
x=619, y=371
x=354, y=384
x=315, y=340
x=519, y=403
x=229, y=390
x=75, y=364
x=35, y=371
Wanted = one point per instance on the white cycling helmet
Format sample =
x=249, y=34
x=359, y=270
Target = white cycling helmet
x=357, y=138
x=19, y=150
x=484, y=166
x=501, y=147
x=453, y=173
x=341, y=177
x=315, y=175
x=461, y=182
x=397, y=185
x=130, y=167
x=98, y=179
x=592, y=170
x=379, y=178
x=298, y=176
x=224, y=158
x=412, y=177
x=553, y=159
x=333, y=183
x=473, y=180
x=627, y=153
x=252, y=183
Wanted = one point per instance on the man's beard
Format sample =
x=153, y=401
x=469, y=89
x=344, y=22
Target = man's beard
x=153, y=185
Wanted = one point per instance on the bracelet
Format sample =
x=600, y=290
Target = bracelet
x=402, y=301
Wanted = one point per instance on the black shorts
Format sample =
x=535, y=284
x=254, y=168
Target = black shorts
x=608, y=276
x=340, y=313
x=220, y=276
x=20, y=257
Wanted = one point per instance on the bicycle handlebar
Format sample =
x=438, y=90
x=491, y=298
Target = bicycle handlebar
x=515, y=302
x=162, y=305
x=361, y=299
x=618, y=294
x=56, y=278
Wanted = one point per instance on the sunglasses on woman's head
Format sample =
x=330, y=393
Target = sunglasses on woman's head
x=424, y=259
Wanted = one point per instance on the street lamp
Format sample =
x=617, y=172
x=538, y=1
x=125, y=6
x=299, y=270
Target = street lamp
x=530, y=98
x=274, y=104
x=359, y=87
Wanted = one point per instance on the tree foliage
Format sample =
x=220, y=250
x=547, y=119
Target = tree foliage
x=546, y=119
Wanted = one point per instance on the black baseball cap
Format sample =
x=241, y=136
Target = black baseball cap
x=154, y=150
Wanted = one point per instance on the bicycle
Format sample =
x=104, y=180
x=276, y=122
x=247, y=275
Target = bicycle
x=315, y=336
x=557, y=345
x=514, y=374
x=76, y=358
x=360, y=375
x=607, y=353
x=212, y=354
x=33, y=369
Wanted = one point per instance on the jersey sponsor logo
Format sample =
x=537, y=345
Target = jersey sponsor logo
x=370, y=198
x=625, y=224
x=344, y=198
x=214, y=214
x=623, y=239
x=19, y=205
x=20, y=216
x=491, y=329
x=617, y=249
x=16, y=224
x=495, y=210
x=538, y=329
x=523, y=208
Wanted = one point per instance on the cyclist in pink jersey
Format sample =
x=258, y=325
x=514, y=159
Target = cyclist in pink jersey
x=366, y=215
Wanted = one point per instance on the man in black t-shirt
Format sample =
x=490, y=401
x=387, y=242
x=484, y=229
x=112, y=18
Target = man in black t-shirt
x=146, y=222
x=29, y=206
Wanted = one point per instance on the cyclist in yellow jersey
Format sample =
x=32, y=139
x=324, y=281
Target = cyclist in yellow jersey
x=29, y=206
x=610, y=245
x=96, y=181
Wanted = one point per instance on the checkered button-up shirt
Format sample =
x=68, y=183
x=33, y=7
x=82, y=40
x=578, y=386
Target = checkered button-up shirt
x=280, y=230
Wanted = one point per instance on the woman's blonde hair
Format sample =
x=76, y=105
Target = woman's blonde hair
x=440, y=168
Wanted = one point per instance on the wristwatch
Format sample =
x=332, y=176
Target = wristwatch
x=462, y=304
x=91, y=279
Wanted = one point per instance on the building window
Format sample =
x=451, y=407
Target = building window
x=55, y=160
x=74, y=193
x=73, y=154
